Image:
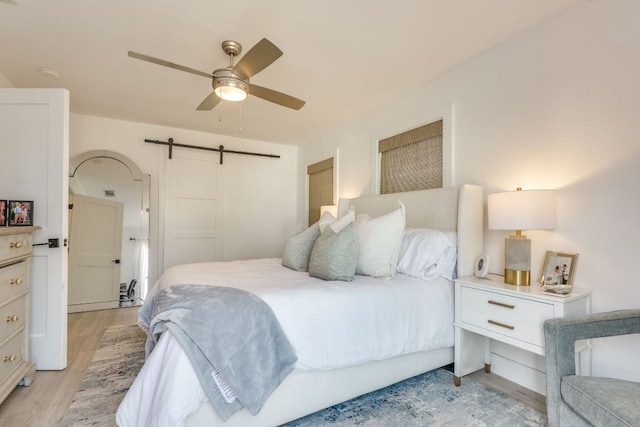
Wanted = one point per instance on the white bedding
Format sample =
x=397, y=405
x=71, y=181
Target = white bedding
x=330, y=324
x=349, y=322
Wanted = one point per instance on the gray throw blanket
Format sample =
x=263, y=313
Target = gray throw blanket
x=227, y=330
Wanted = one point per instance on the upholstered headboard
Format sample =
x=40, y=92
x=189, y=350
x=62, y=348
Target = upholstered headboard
x=457, y=209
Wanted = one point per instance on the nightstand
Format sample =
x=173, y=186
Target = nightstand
x=489, y=309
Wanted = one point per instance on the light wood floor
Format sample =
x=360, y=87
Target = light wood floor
x=523, y=394
x=44, y=403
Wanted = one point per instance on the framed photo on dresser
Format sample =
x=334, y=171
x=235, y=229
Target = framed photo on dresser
x=20, y=212
x=3, y=213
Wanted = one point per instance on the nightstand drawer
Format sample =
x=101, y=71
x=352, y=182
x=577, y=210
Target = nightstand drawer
x=515, y=317
x=526, y=332
x=506, y=306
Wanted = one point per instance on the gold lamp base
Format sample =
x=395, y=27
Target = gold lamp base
x=517, y=262
x=517, y=277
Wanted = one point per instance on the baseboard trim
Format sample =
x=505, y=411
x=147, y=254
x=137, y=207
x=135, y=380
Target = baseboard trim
x=77, y=308
x=518, y=373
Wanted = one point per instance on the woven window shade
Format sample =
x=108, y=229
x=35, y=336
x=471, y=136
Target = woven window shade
x=320, y=187
x=412, y=160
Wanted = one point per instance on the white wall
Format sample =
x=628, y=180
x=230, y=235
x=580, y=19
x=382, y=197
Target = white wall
x=555, y=107
x=260, y=193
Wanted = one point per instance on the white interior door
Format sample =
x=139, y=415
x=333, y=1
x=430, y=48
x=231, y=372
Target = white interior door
x=34, y=147
x=94, y=254
x=193, y=216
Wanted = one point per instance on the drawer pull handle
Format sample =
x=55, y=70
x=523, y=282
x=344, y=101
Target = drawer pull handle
x=501, y=304
x=502, y=325
x=11, y=358
x=16, y=245
x=13, y=318
x=17, y=281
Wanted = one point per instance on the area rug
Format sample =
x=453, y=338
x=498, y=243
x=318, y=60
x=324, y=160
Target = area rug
x=429, y=399
x=113, y=368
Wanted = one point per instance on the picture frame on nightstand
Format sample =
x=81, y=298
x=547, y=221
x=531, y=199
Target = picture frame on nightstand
x=559, y=269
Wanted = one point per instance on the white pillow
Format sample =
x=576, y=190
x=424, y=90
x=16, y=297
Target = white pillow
x=379, y=239
x=326, y=219
x=337, y=225
x=427, y=254
x=341, y=223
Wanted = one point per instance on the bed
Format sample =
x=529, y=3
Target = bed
x=167, y=388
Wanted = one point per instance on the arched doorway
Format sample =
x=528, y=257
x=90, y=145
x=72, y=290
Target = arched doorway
x=106, y=187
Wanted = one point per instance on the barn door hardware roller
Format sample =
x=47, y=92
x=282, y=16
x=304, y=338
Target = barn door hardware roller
x=220, y=149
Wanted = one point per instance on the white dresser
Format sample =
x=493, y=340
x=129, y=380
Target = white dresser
x=15, y=254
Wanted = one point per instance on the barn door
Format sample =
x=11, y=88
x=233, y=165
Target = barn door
x=193, y=208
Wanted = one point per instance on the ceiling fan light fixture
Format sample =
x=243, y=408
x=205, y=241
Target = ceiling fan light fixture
x=230, y=89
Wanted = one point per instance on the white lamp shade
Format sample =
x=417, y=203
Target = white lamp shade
x=523, y=210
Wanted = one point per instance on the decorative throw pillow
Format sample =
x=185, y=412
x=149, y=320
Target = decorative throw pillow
x=298, y=247
x=427, y=254
x=379, y=239
x=335, y=255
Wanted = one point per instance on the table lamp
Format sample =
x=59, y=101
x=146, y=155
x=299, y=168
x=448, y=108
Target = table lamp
x=521, y=210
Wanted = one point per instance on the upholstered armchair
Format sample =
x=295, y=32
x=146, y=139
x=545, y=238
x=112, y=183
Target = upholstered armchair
x=574, y=400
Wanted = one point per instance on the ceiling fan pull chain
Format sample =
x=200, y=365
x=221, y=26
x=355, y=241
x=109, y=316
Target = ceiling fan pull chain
x=240, y=127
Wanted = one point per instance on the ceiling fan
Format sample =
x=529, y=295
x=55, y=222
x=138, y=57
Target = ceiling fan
x=232, y=83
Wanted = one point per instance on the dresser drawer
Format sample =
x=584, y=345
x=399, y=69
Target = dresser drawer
x=12, y=317
x=15, y=246
x=14, y=280
x=11, y=354
x=507, y=315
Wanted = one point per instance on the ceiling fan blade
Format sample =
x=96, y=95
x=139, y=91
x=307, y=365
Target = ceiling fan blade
x=276, y=97
x=209, y=102
x=162, y=62
x=257, y=59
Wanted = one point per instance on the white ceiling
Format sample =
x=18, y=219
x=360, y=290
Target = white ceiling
x=343, y=57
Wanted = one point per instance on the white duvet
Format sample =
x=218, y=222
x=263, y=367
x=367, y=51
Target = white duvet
x=330, y=325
